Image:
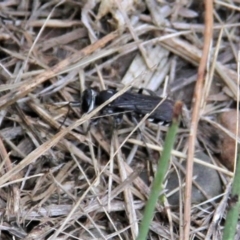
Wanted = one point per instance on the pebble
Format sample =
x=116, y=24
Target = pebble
x=208, y=179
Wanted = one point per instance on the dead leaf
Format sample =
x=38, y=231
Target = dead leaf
x=229, y=121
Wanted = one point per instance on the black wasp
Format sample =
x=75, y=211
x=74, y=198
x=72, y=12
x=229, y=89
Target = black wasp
x=136, y=103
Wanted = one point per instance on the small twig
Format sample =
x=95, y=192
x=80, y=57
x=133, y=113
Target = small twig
x=195, y=115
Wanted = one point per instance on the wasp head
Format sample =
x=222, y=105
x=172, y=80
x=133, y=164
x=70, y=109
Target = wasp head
x=88, y=100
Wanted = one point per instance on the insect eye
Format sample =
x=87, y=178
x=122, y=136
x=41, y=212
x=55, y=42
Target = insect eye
x=88, y=100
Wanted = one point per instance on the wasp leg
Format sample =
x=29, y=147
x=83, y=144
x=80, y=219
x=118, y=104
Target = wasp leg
x=88, y=125
x=140, y=131
x=114, y=115
x=117, y=120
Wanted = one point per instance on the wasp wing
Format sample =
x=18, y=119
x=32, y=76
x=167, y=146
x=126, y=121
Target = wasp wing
x=143, y=104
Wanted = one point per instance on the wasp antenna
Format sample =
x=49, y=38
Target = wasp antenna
x=70, y=105
x=67, y=104
x=75, y=104
x=64, y=117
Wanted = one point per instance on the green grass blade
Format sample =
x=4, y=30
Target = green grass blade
x=160, y=174
x=233, y=213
